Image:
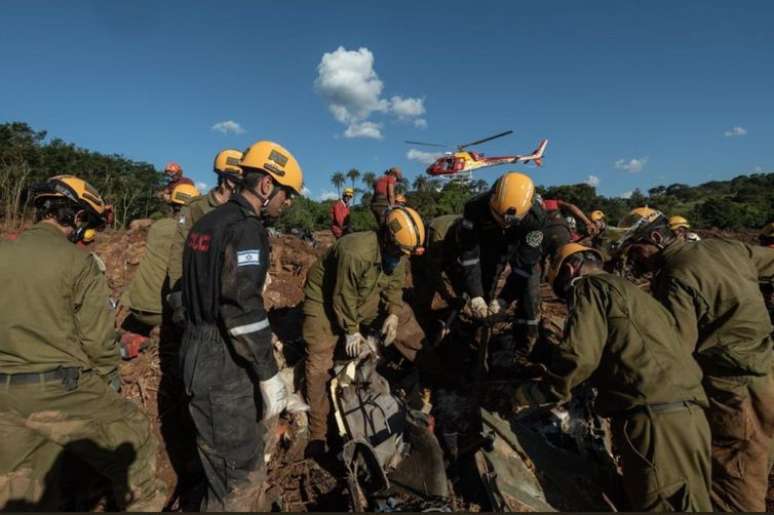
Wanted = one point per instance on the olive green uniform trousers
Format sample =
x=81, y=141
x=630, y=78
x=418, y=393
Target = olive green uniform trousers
x=741, y=415
x=41, y=421
x=321, y=339
x=665, y=458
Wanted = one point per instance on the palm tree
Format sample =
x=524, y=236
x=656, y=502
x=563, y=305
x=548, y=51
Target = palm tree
x=338, y=180
x=368, y=179
x=421, y=183
x=353, y=175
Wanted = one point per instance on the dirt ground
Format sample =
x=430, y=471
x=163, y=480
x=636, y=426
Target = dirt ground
x=294, y=484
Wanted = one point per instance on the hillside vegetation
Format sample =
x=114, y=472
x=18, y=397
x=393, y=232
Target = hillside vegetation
x=27, y=157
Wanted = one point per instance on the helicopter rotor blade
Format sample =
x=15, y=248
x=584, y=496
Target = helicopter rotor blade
x=426, y=144
x=490, y=138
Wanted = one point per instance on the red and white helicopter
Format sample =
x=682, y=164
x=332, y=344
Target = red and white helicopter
x=465, y=161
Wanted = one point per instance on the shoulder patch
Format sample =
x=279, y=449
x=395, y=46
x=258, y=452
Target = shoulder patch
x=534, y=238
x=249, y=257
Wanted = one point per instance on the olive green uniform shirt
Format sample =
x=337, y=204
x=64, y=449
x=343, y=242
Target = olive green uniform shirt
x=145, y=291
x=349, y=275
x=54, y=306
x=189, y=215
x=626, y=342
x=712, y=289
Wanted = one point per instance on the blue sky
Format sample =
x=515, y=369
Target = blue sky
x=630, y=94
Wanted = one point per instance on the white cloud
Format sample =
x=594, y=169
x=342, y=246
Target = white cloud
x=633, y=165
x=592, y=180
x=364, y=130
x=627, y=194
x=202, y=187
x=423, y=157
x=346, y=79
x=328, y=195
x=306, y=192
x=228, y=127
x=420, y=123
x=735, y=131
x=407, y=107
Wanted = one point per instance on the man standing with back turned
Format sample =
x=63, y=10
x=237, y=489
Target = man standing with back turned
x=227, y=355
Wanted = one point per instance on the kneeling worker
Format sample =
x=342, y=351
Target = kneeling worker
x=59, y=362
x=343, y=294
x=648, y=383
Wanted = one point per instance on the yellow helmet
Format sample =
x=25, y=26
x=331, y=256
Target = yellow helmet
x=597, y=215
x=349, y=192
x=182, y=194
x=275, y=160
x=677, y=222
x=227, y=161
x=406, y=229
x=88, y=235
x=768, y=230
x=400, y=199
x=566, y=251
x=75, y=189
x=637, y=214
x=511, y=198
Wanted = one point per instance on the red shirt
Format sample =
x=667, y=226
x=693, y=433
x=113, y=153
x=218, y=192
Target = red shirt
x=339, y=218
x=380, y=185
x=550, y=205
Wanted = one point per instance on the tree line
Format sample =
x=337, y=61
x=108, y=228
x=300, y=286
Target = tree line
x=26, y=157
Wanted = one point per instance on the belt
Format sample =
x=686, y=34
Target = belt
x=58, y=374
x=666, y=407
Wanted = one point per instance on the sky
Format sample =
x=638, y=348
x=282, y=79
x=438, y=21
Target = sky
x=629, y=94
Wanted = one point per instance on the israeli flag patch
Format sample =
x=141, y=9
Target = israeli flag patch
x=249, y=257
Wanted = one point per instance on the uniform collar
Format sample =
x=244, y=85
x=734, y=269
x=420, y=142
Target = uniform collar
x=244, y=205
x=673, y=248
x=212, y=199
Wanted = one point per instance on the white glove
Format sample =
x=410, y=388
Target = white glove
x=497, y=306
x=274, y=395
x=390, y=329
x=477, y=306
x=353, y=344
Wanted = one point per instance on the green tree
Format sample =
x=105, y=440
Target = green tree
x=421, y=183
x=338, y=180
x=369, y=178
x=353, y=175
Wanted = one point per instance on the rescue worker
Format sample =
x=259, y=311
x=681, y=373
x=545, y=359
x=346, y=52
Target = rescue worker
x=437, y=270
x=359, y=277
x=711, y=288
x=766, y=239
x=557, y=207
x=59, y=361
x=340, y=224
x=508, y=225
x=680, y=227
x=227, y=355
x=384, y=193
x=626, y=343
x=599, y=220
x=143, y=299
x=226, y=166
x=174, y=173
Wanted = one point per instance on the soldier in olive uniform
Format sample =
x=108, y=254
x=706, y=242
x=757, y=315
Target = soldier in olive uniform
x=144, y=296
x=226, y=166
x=343, y=294
x=59, y=359
x=711, y=287
x=624, y=341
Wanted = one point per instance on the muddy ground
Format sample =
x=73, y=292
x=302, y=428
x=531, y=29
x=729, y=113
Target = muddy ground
x=294, y=484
